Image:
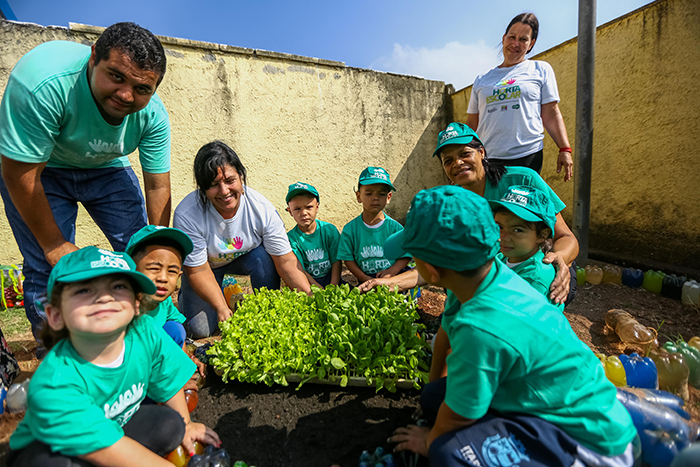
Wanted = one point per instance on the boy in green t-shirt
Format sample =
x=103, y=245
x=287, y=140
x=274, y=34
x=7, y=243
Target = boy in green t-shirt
x=521, y=389
x=362, y=240
x=314, y=242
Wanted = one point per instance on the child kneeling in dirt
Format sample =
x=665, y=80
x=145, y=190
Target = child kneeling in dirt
x=84, y=401
x=522, y=389
x=314, y=242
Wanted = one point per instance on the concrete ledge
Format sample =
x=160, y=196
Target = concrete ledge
x=165, y=40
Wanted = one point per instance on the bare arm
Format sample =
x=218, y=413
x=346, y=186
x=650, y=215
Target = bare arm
x=205, y=285
x=447, y=420
x=23, y=181
x=554, y=124
x=158, y=198
x=312, y=280
x=356, y=271
x=395, y=268
x=563, y=253
x=292, y=273
x=125, y=453
x=193, y=431
x=472, y=121
x=336, y=270
x=404, y=281
x=438, y=365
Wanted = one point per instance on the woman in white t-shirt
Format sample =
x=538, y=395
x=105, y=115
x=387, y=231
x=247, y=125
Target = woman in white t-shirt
x=235, y=230
x=512, y=104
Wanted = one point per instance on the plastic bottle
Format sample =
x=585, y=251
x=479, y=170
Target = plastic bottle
x=673, y=372
x=658, y=396
x=192, y=398
x=232, y=291
x=653, y=280
x=672, y=286
x=632, y=277
x=212, y=458
x=640, y=371
x=180, y=458
x=691, y=357
x=694, y=342
x=614, y=370
x=612, y=274
x=628, y=329
x=594, y=274
x=16, y=399
x=691, y=293
x=580, y=276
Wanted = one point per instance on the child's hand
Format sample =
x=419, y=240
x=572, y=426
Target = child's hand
x=385, y=274
x=199, y=432
x=201, y=367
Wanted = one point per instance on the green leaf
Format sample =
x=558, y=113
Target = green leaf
x=337, y=363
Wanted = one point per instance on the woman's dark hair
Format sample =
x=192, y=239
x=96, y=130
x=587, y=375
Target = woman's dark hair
x=539, y=227
x=138, y=43
x=209, y=159
x=494, y=170
x=529, y=19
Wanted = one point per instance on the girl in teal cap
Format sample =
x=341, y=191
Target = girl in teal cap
x=84, y=404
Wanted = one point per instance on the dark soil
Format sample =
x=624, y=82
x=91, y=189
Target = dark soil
x=325, y=425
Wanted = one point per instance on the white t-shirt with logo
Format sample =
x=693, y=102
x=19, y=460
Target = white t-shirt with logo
x=220, y=240
x=509, y=102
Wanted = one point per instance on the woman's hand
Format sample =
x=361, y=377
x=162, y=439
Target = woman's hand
x=372, y=283
x=224, y=313
x=565, y=161
x=412, y=438
x=559, y=289
x=199, y=432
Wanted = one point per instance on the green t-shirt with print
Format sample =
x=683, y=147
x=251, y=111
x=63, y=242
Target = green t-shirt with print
x=166, y=311
x=365, y=245
x=536, y=273
x=513, y=352
x=48, y=115
x=317, y=251
x=77, y=407
x=521, y=176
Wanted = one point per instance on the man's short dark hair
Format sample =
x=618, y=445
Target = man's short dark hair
x=137, y=43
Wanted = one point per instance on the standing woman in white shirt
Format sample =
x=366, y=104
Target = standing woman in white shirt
x=513, y=103
x=235, y=230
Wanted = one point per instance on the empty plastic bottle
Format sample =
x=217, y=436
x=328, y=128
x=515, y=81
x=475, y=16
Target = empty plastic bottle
x=628, y=329
x=672, y=286
x=16, y=398
x=594, y=274
x=691, y=293
x=212, y=457
x=640, y=371
x=653, y=281
x=614, y=370
x=612, y=274
x=191, y=398
x=672, y=370
x=658, y=396
x=581, y=276
x=632, y=277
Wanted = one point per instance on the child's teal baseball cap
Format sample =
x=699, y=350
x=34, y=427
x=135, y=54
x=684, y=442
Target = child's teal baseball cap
x=299, y=188
x=529, y=204
x=455, y=133
x=449, y=227
x=372, y=175
x=92, y=262
x=151, y=232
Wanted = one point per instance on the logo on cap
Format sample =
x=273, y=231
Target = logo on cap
x=300, y=185
x=110, y=260
x=449, y=133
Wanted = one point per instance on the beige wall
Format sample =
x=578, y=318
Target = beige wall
x=645, y=197
x=289, y=118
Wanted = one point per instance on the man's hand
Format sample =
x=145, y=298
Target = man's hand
x=224, y=314
x=412, y=438
x=559, y=289
x=53, y=255
x=565, y=161
x=372, y=283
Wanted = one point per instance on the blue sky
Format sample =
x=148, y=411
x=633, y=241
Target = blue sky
x=451, y=41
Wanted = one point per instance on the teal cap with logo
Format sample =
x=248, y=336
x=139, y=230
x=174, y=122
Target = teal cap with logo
x=529, y=204
x=449, y=227
x=151, y=232
x=372, y=175
x=92, y=262
x=299, y=188
x=455, y=133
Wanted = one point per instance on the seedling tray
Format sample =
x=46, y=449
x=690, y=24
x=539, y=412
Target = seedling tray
x=353, y=380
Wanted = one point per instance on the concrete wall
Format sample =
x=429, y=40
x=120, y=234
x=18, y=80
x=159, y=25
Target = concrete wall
x=288, y=117
x=646, y=172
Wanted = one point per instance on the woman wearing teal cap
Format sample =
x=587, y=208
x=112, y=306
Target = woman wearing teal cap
x=465, y=163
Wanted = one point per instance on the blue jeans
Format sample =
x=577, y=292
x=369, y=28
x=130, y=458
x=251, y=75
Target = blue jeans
x=111, y=196
x=202, y=320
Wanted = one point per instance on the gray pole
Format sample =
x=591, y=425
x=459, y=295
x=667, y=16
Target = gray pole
x=584, y=125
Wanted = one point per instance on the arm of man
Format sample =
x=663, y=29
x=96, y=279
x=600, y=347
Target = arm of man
x=158, y=197
x=291, y=272
x=23, y=181
x=336, y=271
x=554, y=124
x=404, y=281
x=564, y=252
x=472, y=121
x=311, y=280
x=205, y=285
x=357, y=272
x=395, y=268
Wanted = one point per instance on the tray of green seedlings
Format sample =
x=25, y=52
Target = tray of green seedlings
x=336, y=336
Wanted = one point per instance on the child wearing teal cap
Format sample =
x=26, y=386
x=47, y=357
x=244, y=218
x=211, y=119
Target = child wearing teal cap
x=526, y=218
x=362, y=240
x=314, y=242
x=84, y=401
x=521, y=389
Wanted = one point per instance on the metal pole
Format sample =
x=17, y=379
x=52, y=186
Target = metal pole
x=584, y=125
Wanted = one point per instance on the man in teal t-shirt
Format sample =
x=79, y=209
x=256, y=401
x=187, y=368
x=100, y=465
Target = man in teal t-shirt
x=520, y=385
x=70, y=115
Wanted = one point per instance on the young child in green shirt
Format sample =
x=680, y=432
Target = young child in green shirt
x=526, y=218
x=521, y=389
x=362, y=240
x=314, y=242
x=84, y=401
